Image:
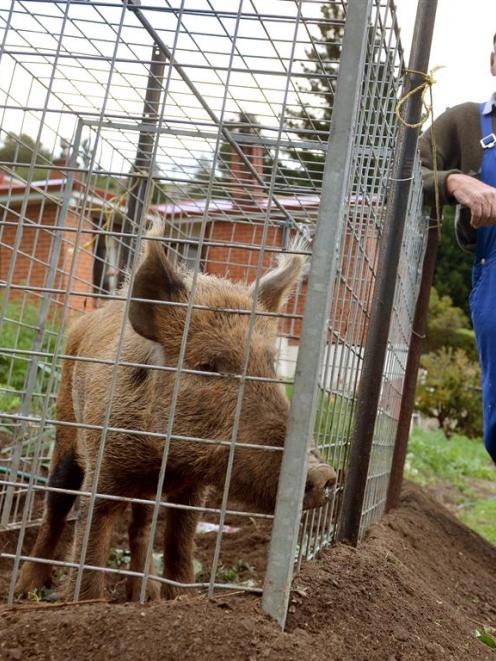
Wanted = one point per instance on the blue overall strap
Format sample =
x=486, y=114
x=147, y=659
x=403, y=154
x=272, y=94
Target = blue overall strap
x=486, y=236
x=483, y=296
x=487, y=130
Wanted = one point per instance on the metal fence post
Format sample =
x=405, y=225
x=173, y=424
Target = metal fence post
x=140, y=178
x=378, y=331
x=412, y=366
x=134, y=6
x=323, y=270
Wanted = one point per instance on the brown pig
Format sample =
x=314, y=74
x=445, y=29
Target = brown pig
x=139, y=399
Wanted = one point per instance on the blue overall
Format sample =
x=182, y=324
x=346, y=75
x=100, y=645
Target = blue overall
x=483, y=297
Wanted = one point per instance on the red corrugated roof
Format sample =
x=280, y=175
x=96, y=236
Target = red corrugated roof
x=184, y=207
x=12, y=185
x=199, y=207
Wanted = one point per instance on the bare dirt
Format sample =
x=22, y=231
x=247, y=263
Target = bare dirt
x=416, y=588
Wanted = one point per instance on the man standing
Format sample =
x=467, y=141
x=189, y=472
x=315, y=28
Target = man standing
x=465, y=145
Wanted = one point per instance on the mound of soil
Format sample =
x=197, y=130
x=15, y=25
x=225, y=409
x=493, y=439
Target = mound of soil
x=417, y=588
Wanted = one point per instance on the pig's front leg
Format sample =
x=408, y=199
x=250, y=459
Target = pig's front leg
x=179, y=541
x=139, y=538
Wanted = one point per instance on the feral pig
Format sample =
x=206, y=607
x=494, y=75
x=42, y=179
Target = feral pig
x=141, y=401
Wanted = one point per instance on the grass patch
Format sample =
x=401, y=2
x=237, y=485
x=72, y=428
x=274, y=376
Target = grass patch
x=461, y=471
x=481, y=516
x=432, y=457
x=19, y=330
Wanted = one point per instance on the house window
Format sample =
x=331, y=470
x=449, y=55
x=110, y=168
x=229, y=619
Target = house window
x=105, y=264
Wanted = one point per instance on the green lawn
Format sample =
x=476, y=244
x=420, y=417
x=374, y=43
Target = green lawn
x=460, y=472
x=481, y=516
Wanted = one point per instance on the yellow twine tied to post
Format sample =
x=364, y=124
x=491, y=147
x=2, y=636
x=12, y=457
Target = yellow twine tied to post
x=425, y=86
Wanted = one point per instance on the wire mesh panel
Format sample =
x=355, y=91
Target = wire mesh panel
x=367, y=188
x=161, y=179
x=406, y=292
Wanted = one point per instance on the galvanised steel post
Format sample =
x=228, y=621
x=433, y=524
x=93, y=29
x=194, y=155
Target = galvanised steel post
x=134, y=6
x=329, y=228
x=139, y=188
x=382, y=305
x=414, y=352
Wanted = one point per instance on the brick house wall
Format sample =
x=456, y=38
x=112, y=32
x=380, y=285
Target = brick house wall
x=353, y=289
x=30, y=262
x=240, y=263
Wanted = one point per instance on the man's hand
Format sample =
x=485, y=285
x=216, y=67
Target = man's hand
x=477, y=196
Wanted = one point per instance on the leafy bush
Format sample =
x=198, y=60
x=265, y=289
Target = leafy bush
x=448, y=326
x=18, y=150
x=449, y=391
x=453, y=274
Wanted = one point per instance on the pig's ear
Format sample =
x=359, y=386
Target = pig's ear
x=156, y=279
x=276, y=285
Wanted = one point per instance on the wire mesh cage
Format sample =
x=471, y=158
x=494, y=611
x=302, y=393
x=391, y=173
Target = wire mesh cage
x=162, y=172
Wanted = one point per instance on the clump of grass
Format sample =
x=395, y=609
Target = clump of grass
x=118, y=558
x=39, y=594
x=235, y=573
x=486, y=636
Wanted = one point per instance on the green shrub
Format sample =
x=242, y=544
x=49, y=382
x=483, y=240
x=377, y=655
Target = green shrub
x=449, y=391
x=453, y=275
x=448, y=326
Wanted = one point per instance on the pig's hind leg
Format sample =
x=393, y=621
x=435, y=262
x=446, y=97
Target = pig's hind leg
x=95, y=544
x=65, y=473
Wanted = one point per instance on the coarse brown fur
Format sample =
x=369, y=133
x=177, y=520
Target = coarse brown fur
x=142, y=400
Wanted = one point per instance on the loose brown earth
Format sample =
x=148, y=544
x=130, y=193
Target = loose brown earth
x=417, y=588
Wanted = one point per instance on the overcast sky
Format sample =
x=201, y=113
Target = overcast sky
x=462, y=43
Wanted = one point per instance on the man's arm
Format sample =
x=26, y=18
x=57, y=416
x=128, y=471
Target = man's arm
x=476, y=196
x=454, y=185
x=447, y=159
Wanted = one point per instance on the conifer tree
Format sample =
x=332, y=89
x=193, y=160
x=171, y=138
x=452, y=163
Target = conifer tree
x=312, y=119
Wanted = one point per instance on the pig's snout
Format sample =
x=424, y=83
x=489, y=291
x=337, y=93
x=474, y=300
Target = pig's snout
x=319, y=488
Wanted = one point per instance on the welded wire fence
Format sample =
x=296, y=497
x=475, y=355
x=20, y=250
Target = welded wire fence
x=155, y=369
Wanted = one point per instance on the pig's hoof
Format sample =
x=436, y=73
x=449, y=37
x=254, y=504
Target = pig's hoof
x=133, y=589
x=33, y=576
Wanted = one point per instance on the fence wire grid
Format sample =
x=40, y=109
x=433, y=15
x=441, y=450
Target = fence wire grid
x=210, y=122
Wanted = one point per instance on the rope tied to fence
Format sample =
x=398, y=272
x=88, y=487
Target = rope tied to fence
x=424, y=87
x=428, y=80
